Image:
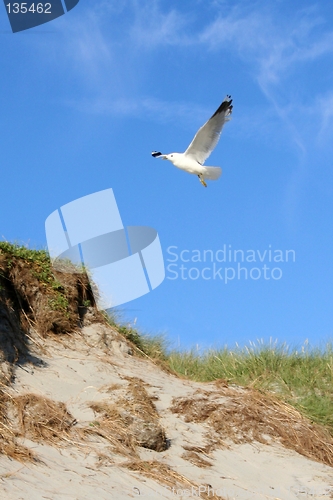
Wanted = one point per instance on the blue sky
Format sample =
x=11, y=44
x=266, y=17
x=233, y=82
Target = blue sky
x=86, y=98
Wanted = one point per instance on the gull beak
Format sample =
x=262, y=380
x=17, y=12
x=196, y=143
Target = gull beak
x=158, y=154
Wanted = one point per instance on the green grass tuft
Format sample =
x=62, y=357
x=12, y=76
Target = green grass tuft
x=12, y=250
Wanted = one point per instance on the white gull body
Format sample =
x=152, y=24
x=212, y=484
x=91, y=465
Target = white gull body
x=204, y=141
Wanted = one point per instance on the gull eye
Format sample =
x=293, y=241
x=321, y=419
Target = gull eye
x=171, y=156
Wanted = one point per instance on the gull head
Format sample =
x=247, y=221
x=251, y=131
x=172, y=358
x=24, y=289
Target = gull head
x=173, y=157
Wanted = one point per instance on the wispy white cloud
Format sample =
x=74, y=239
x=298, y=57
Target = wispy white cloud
x=324, y=107
x=257, y=35
x=145, y=107
x=108, y=48
x=87, y=50
x=153, y=27
x=271, y=44
x=275, y=49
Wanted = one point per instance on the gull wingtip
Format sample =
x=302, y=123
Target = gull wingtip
x=225, y=107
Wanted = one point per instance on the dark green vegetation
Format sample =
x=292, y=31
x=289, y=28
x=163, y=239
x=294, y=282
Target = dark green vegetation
x=35, y=301
x=23, y=267
x=40, y=268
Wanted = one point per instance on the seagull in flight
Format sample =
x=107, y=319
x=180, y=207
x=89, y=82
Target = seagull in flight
x=203, y=143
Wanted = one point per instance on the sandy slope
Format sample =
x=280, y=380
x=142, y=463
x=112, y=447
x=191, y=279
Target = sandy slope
x=80, y=371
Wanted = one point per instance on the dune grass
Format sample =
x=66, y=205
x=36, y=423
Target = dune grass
x=301, y=377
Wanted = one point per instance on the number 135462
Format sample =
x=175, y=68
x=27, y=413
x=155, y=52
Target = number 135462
x=23, y=8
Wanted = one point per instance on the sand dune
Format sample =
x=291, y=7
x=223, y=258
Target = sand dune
x=130, y=429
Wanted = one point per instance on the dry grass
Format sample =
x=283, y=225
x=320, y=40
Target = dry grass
x=50, y=300
x=113, y=387
x=129, y=421
x=8, y=441
x=165, y=475
x=302, y=376
x=112, y=426
x=139, y=401
x=250, y=415
x=31, y=416
x=36, y=301
x=10, y=448
x=41, y=419
x=196, y=459
x=205, y=450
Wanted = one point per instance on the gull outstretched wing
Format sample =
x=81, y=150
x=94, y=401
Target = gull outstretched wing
x=208, y=135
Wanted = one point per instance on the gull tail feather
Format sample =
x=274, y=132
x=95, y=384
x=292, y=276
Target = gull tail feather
x=212, y=173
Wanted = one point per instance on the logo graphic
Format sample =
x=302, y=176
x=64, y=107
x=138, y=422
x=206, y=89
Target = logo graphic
x=124, y=263
x=25, y=15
